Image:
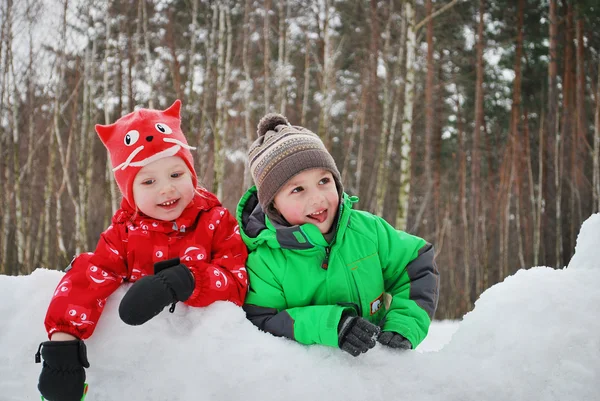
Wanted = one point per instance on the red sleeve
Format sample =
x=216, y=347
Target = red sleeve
x=80, y=296
x=224, y=277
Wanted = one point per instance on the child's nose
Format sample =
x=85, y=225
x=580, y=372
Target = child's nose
x=168, y=188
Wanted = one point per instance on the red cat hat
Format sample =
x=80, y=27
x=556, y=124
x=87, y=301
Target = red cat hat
x=142, y=137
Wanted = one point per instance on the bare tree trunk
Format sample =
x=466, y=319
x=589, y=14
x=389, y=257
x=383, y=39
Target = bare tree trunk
x=306, y=91
x=385, y=135
x=223, y=72
x=218, y=135
x=327, y=81
x=84, y=158
x=5, y=198
x=267, y=56
x=192, y=65
x=516, y=138
x=19, y=226
x=552, y=135
x=174, y=65
x=409, y=93
x=113, y=200
x=476, y=151
x=537, y=231
x=204, y=134
x=466, y=244
x=429, y=110
x=390, y=203
x=596, y=155
x=149, y=61
x=248, y=86
x=281, y=78
x=582, y=131
x=49, y=257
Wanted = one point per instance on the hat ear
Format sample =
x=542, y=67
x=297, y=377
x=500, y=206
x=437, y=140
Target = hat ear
x=174, y=109
x=105, y=132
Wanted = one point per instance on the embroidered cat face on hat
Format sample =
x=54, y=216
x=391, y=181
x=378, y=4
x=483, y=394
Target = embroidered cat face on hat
x=142, y=137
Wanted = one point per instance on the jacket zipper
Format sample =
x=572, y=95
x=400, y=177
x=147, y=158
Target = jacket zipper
x=325, y=263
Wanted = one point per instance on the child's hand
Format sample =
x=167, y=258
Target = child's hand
x=394, y=340
x=172, y=282
x=63, y=373
x=357, y=335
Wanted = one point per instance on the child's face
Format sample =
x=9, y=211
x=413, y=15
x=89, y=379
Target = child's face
x=309, y=197
x=163, y=188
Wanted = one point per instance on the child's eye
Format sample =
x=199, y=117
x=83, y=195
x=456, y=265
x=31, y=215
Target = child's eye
x=148, y=182
x=297, y=189
x=176, y=175
x=325, y=180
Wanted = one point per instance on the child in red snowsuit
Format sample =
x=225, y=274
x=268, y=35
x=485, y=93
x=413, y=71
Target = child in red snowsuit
x=171, y=238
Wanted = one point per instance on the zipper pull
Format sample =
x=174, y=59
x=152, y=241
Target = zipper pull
x=325, y=263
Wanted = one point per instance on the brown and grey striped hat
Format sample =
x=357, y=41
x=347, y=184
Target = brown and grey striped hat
x=283, y=151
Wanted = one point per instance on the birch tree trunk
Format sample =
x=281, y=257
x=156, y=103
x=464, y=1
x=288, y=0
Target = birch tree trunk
x=405, y=169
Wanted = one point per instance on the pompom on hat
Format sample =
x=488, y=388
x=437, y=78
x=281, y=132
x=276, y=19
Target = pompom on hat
x=282, y=151
x=142, y=137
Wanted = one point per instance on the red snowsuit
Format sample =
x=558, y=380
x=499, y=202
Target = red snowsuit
x=205, y=237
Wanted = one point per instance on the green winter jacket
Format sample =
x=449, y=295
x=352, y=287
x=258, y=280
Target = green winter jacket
x=300, y=285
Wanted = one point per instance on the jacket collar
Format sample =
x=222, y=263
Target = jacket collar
x=257, y=228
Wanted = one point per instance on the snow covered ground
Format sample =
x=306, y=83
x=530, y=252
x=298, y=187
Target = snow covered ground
x=533, y=337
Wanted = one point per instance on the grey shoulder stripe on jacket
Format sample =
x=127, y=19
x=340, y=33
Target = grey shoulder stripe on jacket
x=424, y=280
x=279, y=324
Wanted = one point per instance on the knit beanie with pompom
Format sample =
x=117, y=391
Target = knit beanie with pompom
x=283, y=151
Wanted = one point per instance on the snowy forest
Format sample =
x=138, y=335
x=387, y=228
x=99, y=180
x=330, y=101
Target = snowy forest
x=474, y=124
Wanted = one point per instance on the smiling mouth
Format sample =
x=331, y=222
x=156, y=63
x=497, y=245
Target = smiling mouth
x=169, y=203
x=319, y=216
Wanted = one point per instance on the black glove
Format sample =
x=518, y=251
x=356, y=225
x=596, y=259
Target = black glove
x=394, y=340
x=357, y=335
x=147, y=297
x=63, y=376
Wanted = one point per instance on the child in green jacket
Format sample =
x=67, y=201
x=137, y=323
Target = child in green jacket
x=318, y=268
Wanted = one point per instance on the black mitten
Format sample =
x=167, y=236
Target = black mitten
x=147, y=297
x=357, y=335
x=63, y=373
x=394, y=340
